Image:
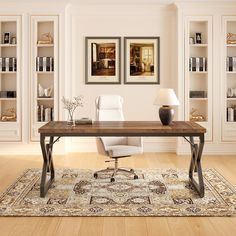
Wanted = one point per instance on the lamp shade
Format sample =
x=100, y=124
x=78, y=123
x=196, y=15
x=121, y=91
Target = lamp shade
x=166, y=97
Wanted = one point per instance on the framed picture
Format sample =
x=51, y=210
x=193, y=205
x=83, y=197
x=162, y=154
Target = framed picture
x=102, y=62
x=199, y=38
x=7, y=38
x=142, y=63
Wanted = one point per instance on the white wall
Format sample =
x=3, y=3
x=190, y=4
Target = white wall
x=78, y=20
x=123, y=20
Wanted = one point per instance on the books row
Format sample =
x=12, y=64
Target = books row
x=231, y=63
x=197, y=64
x=44, y=113
x=44, y=64
x=231, y=114
x=8, y=64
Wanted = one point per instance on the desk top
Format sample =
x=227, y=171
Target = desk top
x=123, y=128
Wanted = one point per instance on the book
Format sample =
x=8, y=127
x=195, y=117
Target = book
x=38, y=113
x=48, y=64
x=7, y=63
x=234, y=63
x=52, y=64
x=40, y=64
x=14, y=64
x=37, y=64
x=200, y=64
x=190, y=64
x=194, y=64
x=11, y=64
x=52, y=114
x=227, y=64
x=0, y=63
x=3, y=64
x=83, y=121
x=197, y=63
x=41, y=113
x=44, y=63
x=204, y=64
x=230, y=114
x=230, y=64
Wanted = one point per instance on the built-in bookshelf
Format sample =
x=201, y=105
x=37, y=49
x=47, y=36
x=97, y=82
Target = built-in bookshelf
x=44, y=74
x=10, y=78
x=198, y=71
x=229, y=78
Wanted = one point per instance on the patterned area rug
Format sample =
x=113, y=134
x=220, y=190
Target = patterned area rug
x=156, y=193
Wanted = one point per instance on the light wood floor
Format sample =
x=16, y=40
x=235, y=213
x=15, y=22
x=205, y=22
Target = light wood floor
x=12, y=166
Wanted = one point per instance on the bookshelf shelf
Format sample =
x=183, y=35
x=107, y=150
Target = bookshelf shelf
x=198, y=99
x=230, y=45
x=198, y=45
x=44, y=72
x=8, y=45
x=198, y=70
x=44, y=64
x=7, y=99
x=45, y=99
x=45, y=45
x=10, y=80
x=8, y=72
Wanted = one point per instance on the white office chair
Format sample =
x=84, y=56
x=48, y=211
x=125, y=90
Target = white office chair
x=109, y=108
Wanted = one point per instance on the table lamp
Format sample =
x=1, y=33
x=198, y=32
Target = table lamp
x=166, y=98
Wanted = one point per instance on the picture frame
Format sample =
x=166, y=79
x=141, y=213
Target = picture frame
x=198, y=38
x=102, y=60
x=7, y=38
x=142, y=60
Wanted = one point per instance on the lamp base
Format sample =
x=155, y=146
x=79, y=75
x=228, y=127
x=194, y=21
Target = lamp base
x=166, y=114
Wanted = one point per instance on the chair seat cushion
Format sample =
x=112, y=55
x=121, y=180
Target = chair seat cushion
x=123, y=150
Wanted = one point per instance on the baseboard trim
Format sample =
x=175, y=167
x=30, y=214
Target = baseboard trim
x=88, y=145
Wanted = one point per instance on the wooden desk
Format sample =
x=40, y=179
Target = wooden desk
x=54, y=130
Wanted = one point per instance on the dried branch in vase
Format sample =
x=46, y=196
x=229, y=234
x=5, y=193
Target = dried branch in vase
x=71, y=106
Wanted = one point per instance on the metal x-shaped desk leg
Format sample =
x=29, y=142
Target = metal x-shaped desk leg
x=47, y=165
x=195, y=165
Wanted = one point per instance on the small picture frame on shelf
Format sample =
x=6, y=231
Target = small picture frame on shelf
x=198, y=38
x=7, y=38
x=191, y=40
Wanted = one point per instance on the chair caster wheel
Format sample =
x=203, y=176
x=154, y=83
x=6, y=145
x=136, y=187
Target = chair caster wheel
x=95, y=175
x=112, y=179
x=135, y=177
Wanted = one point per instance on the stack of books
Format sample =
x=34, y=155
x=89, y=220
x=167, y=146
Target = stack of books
x=8, y=64
x=44, y=113
x=231, y=63
x=197, y=64
x=44, y=64
x=231, y=114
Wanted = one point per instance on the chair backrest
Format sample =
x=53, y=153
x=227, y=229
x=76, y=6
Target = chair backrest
x=109, y=108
